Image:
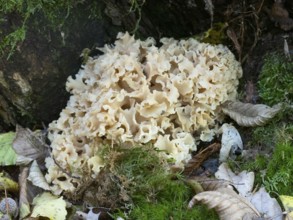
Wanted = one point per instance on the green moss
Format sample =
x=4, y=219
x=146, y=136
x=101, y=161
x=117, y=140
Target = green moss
x=279, y=174
x=257, y=164
x=155, y=194
x=55, y=13
x=276, y=80
x=260, y=163
x=264, y=136
x=267, y=136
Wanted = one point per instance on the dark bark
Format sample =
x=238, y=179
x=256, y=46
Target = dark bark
x=32, y=81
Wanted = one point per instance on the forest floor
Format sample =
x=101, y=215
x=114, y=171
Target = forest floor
x=138, y=182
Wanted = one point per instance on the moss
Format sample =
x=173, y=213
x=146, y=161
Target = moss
x=259, y=163
x=155, y=194
x=269, y=153
x=273, y=161
x=279, y=174
x=15, y=17
x=276, y=80
x=267, y=136
x=264, y=136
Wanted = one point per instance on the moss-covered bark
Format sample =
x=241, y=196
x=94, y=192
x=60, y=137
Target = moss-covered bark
x=32, y=80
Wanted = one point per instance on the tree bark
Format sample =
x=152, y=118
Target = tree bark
x=32, y=81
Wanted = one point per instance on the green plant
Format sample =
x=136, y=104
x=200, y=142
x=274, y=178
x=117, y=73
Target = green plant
x=272, y=184
x=136, y=7
x=256, y=165
x=276, y=80
x=154, y=192
x=264, y=136
x=55, y=12
x=279, y=173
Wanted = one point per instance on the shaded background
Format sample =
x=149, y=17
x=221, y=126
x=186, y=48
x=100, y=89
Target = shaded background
x=36, y=61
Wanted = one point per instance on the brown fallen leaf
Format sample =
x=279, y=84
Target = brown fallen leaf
x=199, y=158
x=278, y=10
x=268, y=207
x=227, y=203
x=29, y=145
x=249, y=115
x=37, y=178
x=24, y=206
x=280, y=15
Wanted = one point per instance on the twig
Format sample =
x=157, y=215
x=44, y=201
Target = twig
x=64, y=171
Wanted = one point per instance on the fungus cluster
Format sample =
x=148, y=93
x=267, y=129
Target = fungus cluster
x=138, y=93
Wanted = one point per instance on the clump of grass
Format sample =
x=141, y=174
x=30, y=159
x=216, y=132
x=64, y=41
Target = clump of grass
x=264, y=136
x=154, y=192
x=279, y=173
x=276, y=80
x=272, y=145
x=273, y=166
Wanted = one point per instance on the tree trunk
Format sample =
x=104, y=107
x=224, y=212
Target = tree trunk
x=32, y=80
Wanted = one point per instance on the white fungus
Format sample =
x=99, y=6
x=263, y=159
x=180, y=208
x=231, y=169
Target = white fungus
x=139, y=93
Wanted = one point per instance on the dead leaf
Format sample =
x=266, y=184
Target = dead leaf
x=246, y=114
x=267, y=206
x=36, y=177
x=287, y=202
x=228, y=204
x=24, y=206
x=50, y=206
x=199, y=158
x=6, y=183
x=29, y=145
x=231, y=142
x=280, y=16
x=243, y=182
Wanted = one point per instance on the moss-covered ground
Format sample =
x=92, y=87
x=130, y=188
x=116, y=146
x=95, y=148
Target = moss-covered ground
x=154, y=193
x=272, y=145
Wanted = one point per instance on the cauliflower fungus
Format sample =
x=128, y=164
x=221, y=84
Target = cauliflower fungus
x=139, y=93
